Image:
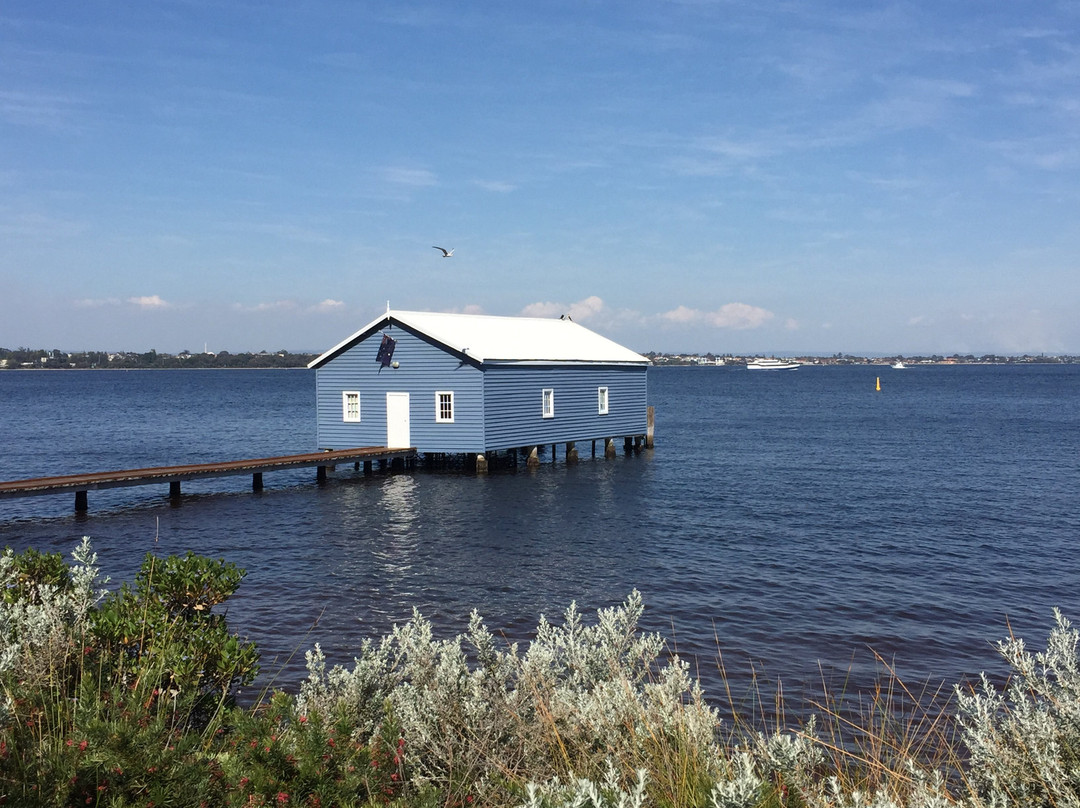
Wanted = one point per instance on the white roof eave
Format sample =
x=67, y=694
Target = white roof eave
x=503, y=340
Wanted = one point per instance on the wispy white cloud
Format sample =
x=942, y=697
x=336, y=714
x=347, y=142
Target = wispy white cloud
x=290, y=232
x=495, y=186
x=734, y=316
x=149, y=302
x=411, y=177
x=38, y=109
x=588, y=309
x=1048, y=154
x=322, y=307
x=327, y=305
x=594, y=312
x=468, y=308
x=275, y=305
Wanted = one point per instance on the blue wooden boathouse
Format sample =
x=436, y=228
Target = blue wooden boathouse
x=478, y=385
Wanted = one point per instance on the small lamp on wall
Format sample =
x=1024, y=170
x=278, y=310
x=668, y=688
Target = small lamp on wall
x=395, y=364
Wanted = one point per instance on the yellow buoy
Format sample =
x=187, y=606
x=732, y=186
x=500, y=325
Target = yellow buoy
x=879, y=384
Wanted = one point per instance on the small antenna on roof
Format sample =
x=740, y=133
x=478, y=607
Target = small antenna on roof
x=387, y=306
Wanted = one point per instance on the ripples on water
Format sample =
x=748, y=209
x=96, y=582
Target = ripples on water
x=785, y=520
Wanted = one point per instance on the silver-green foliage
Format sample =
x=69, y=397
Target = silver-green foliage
x=38, y=633
x=1024, y=741
x=472, y=712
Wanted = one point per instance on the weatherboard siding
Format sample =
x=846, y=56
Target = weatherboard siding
x=423, y=369
x=513, y=399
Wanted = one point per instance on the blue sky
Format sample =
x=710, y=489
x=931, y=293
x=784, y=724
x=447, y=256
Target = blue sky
x=743, y=177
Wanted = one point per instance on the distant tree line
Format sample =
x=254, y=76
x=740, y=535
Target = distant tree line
x=15, y=358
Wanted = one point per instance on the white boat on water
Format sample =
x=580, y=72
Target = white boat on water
x=770, y=364
x=898, y=366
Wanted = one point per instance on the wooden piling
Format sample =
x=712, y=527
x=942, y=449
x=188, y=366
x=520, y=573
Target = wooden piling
x=174, y=489
x=481, y=464
x=650, y=424
x=257, y=481
x=609, y=448
x=534, y=457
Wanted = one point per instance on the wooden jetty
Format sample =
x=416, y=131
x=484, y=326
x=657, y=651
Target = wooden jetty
x=174, y=475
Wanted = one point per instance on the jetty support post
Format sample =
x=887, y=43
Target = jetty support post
x=257, y=481
x=174, y=489
x=534, y=457
x=609, y=448
x=481, y=464
x=320, y=474
x=571, y=452
x=650, y=424
x=81, y=505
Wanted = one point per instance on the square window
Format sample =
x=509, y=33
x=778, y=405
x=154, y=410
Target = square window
x=601, y=400
x=548, y=406
x=444, y=407
x=350, y=406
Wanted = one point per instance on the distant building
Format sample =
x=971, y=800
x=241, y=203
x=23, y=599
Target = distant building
x=461, y=383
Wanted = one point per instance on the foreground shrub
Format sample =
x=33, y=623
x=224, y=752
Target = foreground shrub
x=1024, y=741
x=113, y=697
x=583, y=704
x=125, y=698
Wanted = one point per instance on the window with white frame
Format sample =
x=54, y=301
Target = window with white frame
x=350, y=406
x=601, y=400
x=444, y=407
x=547, y=407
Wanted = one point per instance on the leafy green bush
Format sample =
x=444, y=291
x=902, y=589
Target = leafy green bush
x=114, y=696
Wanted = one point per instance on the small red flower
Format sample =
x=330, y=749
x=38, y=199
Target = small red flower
x=282, y=798
x=83, y=745
x=302, y=719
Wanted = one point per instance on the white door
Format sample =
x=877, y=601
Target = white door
x=397, y=421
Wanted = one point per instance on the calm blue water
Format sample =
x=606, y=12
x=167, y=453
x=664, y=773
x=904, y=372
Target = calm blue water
x=786, y=521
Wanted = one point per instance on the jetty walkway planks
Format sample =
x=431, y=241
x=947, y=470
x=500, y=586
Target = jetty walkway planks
x=174, y=475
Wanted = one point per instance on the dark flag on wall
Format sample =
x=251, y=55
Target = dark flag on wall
x=386, y=351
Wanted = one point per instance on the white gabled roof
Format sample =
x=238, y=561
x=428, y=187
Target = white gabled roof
x=487, y=338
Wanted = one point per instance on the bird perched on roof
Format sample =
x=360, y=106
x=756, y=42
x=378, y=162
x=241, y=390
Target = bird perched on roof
x=445, y=252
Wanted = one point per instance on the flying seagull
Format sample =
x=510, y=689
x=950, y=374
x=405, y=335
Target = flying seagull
x=445, y=253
